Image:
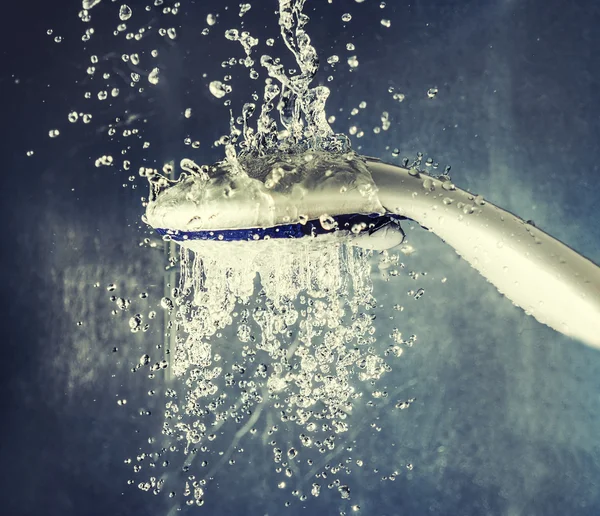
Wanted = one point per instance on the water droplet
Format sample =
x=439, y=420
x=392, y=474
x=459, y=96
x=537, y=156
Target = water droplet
x=327, y=222
x=428, y=184
x=135, y=322
x=125, y=12
x=218, y=89
x=344, y=491
x=432, y=92
x=153, y=78
x=315, y=489
x=447, y=184
x=346, y=17
x=167, y=303
x=244, y=8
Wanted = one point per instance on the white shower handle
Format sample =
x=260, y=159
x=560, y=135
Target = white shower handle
x=538, y=273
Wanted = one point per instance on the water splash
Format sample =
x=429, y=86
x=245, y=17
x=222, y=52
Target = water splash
x=303, y=341
x=279, y=337
x=301, y=108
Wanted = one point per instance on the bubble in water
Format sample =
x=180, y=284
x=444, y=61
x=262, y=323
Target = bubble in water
x=125, y=12
x=211, y=19
x=386, y=23
x=73, y=116
x=346, y=17
x=353, y=61
x=53, y=133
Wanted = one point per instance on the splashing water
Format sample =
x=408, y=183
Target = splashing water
x=305, y=333
x=302, y=342
x=261, y=328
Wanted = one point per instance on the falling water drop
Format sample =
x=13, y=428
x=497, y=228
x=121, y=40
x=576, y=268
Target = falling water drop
x=125, y=12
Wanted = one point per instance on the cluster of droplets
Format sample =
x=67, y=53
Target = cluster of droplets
x=133, y=68
x=300, y=108
x=299, y=346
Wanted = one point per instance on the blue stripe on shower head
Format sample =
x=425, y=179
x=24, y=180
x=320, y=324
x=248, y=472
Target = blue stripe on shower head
x=311, y=228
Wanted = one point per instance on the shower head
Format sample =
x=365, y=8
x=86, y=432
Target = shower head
x=317, y=194
x=324, y=196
